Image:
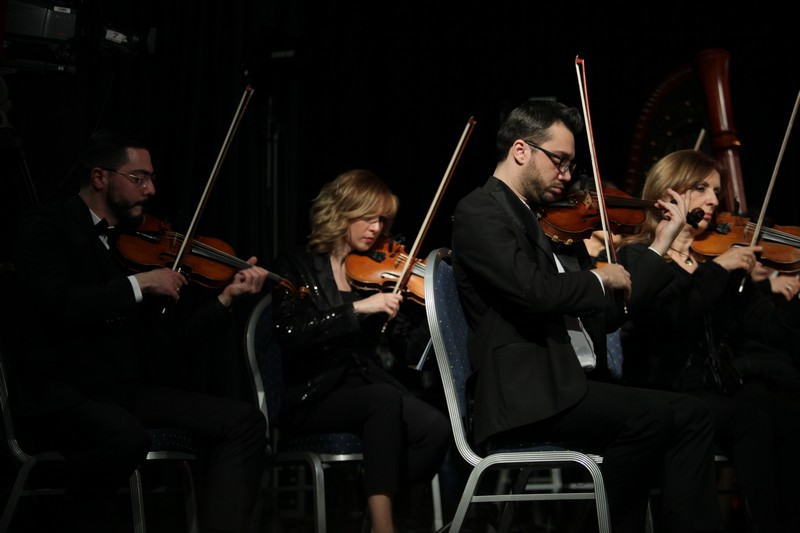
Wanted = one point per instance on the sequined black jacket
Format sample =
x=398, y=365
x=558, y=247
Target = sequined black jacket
x=322, y=338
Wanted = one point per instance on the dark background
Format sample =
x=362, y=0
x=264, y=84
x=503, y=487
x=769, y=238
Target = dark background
x=383, y=86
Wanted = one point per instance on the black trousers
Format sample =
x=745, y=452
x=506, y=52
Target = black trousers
x=106, y=439
x=648, y=438
x=759, y=429
x=404, y=438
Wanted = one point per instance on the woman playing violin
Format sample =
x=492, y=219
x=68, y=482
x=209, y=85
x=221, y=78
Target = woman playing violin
x=335, y=354
x=682, y=340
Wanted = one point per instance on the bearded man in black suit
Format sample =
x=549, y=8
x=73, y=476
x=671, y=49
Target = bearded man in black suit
x=538, y=314
x=93, y=374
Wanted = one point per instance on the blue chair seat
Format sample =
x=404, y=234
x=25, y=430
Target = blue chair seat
x=325, y=443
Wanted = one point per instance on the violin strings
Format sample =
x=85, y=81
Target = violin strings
x=204, y=250
x=418, y=268
x=771, y=234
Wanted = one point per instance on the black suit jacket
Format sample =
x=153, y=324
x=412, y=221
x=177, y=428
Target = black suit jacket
x=322, y=338
x=84, y=331
x=515, y=301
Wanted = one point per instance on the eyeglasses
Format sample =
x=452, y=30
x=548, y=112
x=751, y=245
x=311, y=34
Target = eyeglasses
x=563, y=164
x=141, y=181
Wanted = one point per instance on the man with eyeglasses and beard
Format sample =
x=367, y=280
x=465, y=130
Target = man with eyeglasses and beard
x=96, y=368
x=538, y=312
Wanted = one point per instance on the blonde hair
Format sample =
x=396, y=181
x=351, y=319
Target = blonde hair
x=353, y=194
x=679, y=171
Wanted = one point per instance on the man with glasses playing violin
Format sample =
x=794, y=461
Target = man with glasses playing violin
x=538, y=312
x=96, y=370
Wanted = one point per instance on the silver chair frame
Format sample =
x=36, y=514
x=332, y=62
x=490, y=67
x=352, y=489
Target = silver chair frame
x=449, y=332
x=315, y=460
x=28, y=462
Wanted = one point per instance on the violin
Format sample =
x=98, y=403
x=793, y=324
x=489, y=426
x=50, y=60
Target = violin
x=386, y=264
x=210, y=262
x=781, y=244
x=781, y=257
x=577, y=216
x=382, y=266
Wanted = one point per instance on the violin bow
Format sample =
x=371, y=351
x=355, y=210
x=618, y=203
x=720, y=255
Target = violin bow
x=611, y=252
x=699, y=142
x=448, y=174
x=757, y=231
x=580, y=71
x=190, y=233
x=412, y=254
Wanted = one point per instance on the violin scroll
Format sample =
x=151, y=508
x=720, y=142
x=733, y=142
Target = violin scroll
x=291, y=289
x=694, y=216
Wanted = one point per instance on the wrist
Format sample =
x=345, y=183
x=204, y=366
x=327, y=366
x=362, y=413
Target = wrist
x=225, y=300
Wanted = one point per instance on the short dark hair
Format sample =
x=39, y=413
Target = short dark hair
x=530, y=121
x=108, y=148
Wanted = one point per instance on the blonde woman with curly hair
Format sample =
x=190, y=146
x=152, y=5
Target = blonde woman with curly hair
x=334, y=350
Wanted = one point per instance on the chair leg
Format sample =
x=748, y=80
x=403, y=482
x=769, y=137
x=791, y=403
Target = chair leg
x=14, y=495
x=319, y=493
x=436, y=493
x=189, y=498
x=507, y=514
x=137, y=502
x=11, y=503
x=648, y=526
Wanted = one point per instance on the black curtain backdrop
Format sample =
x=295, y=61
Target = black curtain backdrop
x=388, y=87
x=182, y=97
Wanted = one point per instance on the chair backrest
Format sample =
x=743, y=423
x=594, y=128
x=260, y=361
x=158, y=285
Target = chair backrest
x=264, y=360
x=449, y=335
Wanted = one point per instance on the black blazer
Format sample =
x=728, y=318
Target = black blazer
x=691, y=312
x=84, y=332
x=322, y=338
x=514, y=298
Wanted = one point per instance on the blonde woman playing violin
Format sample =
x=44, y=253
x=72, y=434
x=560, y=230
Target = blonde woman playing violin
x=335, y=353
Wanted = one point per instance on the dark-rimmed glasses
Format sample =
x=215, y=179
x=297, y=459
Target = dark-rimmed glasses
x=140, y=181
x=563, y=164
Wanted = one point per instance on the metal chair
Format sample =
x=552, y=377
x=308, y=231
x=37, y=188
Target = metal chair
x=316, y=452
x=166, y=445
x=449, y=332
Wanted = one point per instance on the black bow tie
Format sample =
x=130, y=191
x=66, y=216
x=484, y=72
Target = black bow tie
x=102, y=228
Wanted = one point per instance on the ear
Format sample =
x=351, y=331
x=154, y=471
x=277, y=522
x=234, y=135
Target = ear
x=520, y=152
x=98, y=178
